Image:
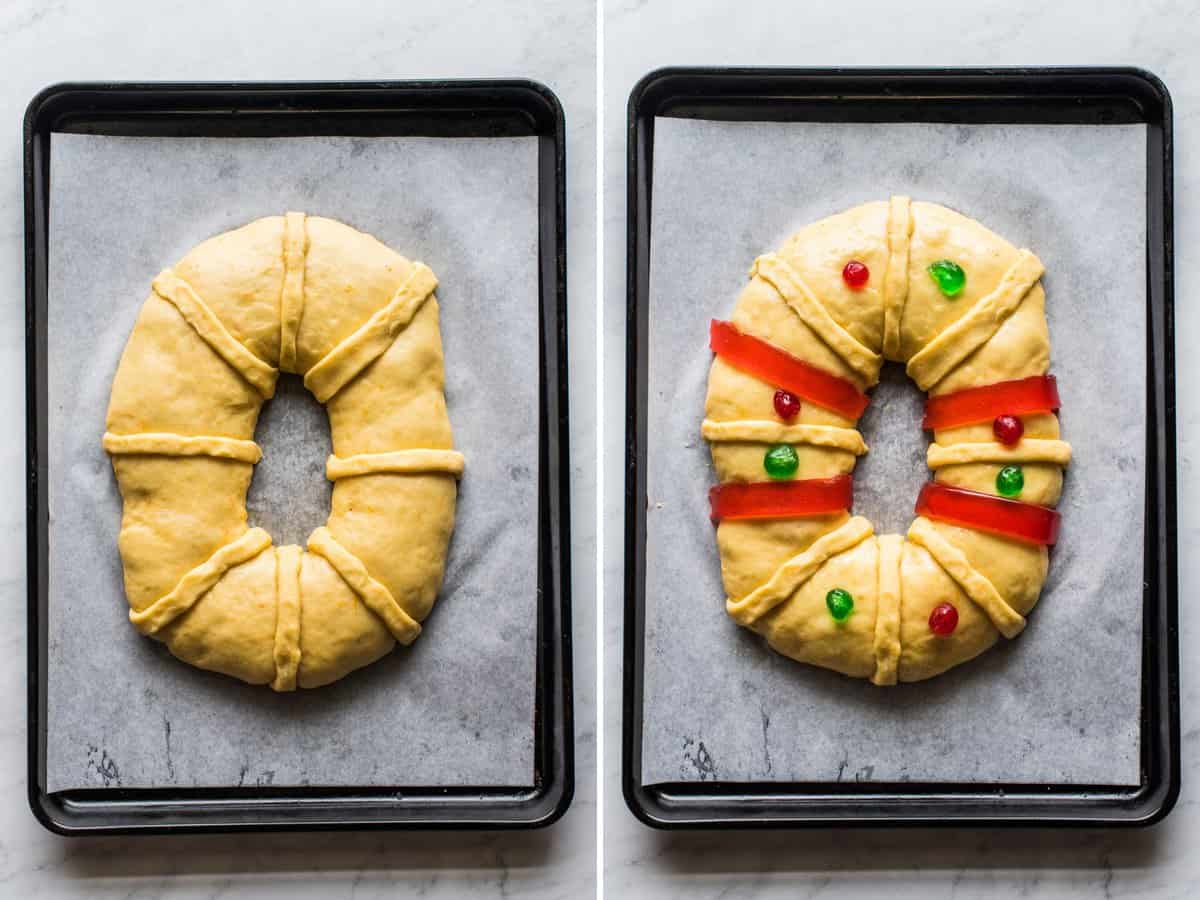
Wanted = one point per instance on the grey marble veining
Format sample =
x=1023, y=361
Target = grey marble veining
x=1160, y=863
x=46, y=42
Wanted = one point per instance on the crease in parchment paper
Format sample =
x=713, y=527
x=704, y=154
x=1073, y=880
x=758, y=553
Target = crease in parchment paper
x=1061, y=703
x=456, y=708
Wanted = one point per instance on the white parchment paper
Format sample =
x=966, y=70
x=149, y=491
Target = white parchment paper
x=457, y=707
x=1060, y=704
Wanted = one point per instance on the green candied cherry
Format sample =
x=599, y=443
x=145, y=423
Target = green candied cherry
x=1010, y=481
x=948, y=276
x=781, y=461
x=840, y=603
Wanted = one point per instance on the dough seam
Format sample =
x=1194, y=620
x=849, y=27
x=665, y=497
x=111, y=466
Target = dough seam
x=286, y=652
x=1028, y=450
x=974, y=583
x=888, y=600
x=199, y=581
x=291, y=297
x=371, y=340
x=767, y=432
x=788, y=284
x=375, y=596
x=449, y=462
x=895, y=279
x=938, y=358
x=151, y=443
x=198, y=314
x=794, y=572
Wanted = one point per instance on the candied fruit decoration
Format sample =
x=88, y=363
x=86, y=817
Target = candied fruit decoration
x=943, y=620
x=1010, y=481
x=948, y=276
x=787, y=405
x=840, y=603
x=1008, y=430
x=971, y=509
x=757, y=357
x=781, y=499
x=856, y=274
x=969, y=406
x=781, y=461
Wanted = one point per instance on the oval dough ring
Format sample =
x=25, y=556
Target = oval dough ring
x=776, y=578
x=359, y=323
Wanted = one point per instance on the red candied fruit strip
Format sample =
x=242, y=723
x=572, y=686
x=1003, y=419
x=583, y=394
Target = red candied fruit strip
x=983, y=404
x=781, y=499
x=1011, y=518
x=778, y=367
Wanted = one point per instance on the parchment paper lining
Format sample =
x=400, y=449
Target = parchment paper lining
x=1061, y=703
x=457, y=707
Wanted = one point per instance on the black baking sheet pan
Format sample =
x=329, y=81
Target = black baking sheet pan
x=1092, y=96
x=499, y=108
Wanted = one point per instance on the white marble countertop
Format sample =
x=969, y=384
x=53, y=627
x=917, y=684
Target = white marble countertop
x=43, y=42
x=928, y=864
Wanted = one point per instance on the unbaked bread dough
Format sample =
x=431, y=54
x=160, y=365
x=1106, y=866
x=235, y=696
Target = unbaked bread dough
x=778, y=572
x=315, y=297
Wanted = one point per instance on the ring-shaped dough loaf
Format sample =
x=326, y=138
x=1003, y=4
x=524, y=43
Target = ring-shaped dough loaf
x=317, y=298
x=779, y=572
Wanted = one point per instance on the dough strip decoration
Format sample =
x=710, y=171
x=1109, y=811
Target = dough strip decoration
x=791, y=287
x=291, y=297
x=797, y=570
x=1007, y=621
x=379, y=600
x=887, y=614
x=895, y=279
x=449, y=462
x=937, y=358
x=767, y=432
x=338, y=367
x=161, y=444
x=196, y=312
x=286, y=650
x=199, y=581
x=1028, y=450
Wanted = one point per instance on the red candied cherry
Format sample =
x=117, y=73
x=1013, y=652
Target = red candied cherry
x=1008, y=430
x=787, y=405
x=855, y=274
x=943, y=620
